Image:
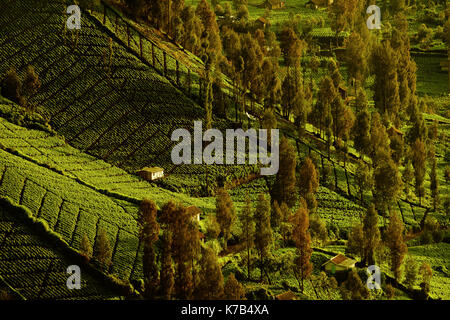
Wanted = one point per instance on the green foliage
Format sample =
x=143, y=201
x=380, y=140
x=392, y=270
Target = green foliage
x=225, y=214
x=284, y=188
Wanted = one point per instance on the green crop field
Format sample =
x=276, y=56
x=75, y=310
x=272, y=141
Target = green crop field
x=53, y=152
x=438, y=257
x=101, y=103
x=35, y=268
x=125, y=118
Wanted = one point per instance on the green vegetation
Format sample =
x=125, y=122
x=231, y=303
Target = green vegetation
x=364, y=151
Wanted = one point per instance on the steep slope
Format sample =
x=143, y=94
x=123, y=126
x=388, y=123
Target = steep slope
x=35, y=267
x=51, y=151
x=72, y=210
x=119, y=110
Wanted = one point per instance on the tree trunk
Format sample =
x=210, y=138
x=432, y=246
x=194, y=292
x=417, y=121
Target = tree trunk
x=248, y=262
x=261, y=267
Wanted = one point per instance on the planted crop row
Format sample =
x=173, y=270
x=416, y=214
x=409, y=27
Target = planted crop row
x=35, y=269
x=64, y=201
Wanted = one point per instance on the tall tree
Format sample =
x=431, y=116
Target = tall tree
x=379, y=141
x=193, y=28
x=31, y=83
x=291, y=47
x=302, y=238
x=317, y=229
x=85, y=247
x=426, y=273
x=12, y=86
x=103, y=250
x=269, y=122
x=387, y=183
x=343, y=118
x=167, y=272
x=434, y=183
x=252, y=57
x=286, y=223
x=418, y=130
x=233, y=289
x=407, y=177
x=211, y=39
x=397, y=148
x=225, y=214
x=355, y=287
x=361, y=132
x=355, y=243
x=410, y=272
x=363, y=180
x=372, y=238
x=208, y=96
x=276, y=216
x=419, y=158
x=356, y=58
x=321, y=113
x=263, y=231
x=308, y=183
x=386, y=95
x=342, y=14
x=148, y=234
x=185, y=246
x=284, y=188
x=396, y=244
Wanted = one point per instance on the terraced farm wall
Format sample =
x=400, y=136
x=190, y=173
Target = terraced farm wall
x=73, y=210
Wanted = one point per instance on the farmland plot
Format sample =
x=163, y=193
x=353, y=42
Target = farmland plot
x=71, y=209
x=36, y=269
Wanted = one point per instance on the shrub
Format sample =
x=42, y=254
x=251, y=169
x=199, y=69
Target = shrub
x=447, y=174
x=317, y=229
x=426, y=237
x=390, y=292
x=431, y=232
x=12, y=86
x=212, y=228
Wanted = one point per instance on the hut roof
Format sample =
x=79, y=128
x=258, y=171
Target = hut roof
x=152, y=169
x=288, y=295
x=341, y=260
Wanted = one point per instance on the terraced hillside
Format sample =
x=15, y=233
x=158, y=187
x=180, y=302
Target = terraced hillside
x=121, y=111
x=72, y=210
x=51, y=151
x=34, y=267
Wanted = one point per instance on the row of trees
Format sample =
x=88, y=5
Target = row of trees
x=186, y=269
x=20, y=90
